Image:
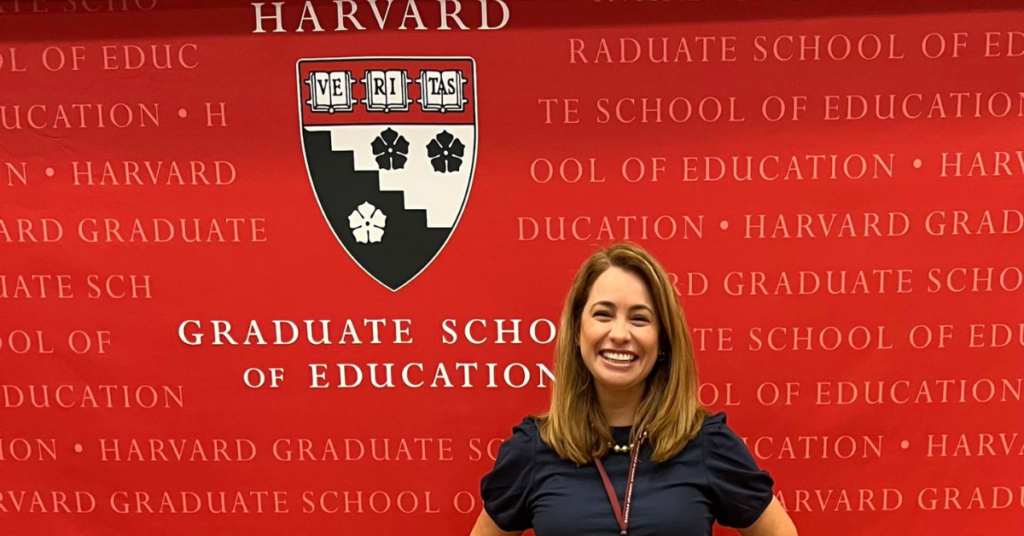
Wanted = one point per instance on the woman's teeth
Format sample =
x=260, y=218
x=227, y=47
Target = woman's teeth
x=615, y=356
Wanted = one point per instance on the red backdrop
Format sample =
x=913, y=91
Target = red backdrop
x=892, y=405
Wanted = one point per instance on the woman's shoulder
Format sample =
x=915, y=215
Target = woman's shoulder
x=714, y=420
x=718, y=442
x=525, y=434
x=716, y=429
x=530, y=423
x=518, y=451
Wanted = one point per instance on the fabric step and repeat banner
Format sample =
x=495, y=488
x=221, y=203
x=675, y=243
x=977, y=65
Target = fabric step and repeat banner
x=296, y=267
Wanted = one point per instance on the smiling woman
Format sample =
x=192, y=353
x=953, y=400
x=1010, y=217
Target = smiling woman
x=625, y=418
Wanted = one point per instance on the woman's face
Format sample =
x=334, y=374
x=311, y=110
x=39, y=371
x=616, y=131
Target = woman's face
x=619, y=331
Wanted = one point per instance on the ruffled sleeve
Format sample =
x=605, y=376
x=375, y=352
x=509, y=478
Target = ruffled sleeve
x=507, y=488
x=740, y=490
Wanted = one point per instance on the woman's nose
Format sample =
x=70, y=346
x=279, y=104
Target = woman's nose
x=620, y=331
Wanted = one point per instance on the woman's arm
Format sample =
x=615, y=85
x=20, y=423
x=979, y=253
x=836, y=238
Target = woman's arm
x=485, y=527
x=774, y=521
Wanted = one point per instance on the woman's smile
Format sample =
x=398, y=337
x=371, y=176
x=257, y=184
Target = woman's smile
x=618, y=358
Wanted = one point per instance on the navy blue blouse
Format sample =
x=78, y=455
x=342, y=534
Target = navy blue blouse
x=714, y=478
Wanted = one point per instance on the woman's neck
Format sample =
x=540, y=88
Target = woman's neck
x=619, y=407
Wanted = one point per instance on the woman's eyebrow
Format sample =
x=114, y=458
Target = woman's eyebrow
x=612, y=306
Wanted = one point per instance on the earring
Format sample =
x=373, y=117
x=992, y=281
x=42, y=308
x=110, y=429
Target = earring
x=661, y=357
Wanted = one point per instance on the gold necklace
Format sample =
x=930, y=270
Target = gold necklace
x=623, y=449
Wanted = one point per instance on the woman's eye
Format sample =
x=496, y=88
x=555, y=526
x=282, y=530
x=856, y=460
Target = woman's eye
x=602, y=314
x=640, y=319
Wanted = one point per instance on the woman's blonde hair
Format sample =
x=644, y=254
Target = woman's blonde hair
x=670, y=412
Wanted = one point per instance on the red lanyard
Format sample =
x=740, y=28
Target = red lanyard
x=621, y=514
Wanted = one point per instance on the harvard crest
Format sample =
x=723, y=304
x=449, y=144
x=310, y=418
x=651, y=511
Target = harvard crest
x=390, y=146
